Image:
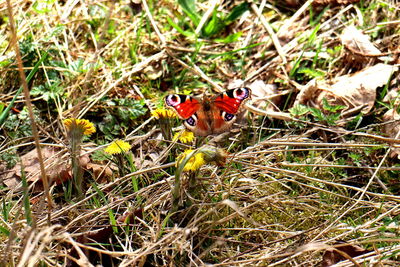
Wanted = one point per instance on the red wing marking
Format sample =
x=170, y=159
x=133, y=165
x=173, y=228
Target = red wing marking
x=188, y=108
x=228, y=104
x=184, y=105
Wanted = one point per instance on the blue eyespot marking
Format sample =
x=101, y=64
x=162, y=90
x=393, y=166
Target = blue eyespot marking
x=191, y=121
x=227, y=116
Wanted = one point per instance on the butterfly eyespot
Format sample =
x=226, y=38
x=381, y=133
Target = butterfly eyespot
x=227, y=116
x=173, y=100
x=192, y=120
x=241, y=93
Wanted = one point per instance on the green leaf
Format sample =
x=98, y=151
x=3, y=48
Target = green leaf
x=319, y=116
x=48, y=91
x=26, y=201
x=355, y=123
x=134, y=109
x=5, y=63
x=311, y=73
x=296, y=65
x=111, y=215
x=313, y=35
x=6, y=210
x=189, y=8
x=230, y=38
x=4, y=114
x=236, y=12
x=99, y=155
x=311, y=40
x=4, y=231
x=299, y=110
x=331, y=108
x=78, y=65
x=331, y=119
x=179, y=29
x=123, y=114
x=214, y=26
x=113, y=221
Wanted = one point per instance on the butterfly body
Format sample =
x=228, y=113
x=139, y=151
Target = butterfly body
x=209, y=115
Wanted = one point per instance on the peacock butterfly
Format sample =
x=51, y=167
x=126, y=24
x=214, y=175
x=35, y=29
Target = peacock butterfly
x=210, y=115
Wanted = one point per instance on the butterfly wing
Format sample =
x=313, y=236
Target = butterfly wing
x=184, y=105
x=231, y=100
x=225, y=107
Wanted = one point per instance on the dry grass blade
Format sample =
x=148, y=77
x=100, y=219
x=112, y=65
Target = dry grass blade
x=271, y=33
x=30, y=109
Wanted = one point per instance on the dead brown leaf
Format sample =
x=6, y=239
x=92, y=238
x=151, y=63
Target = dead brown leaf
x=340, y=253
x=264, y=95
x=352, y=91
x=57, y=167
x=355, y=40
x=129, y=216
x=31, y=167
x=362, y=50
x=101, y=172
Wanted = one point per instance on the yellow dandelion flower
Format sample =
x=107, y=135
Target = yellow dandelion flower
x=83, y=125
x=162, y=113
x=117, y=147
x=184, y=137
x=194, y=163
